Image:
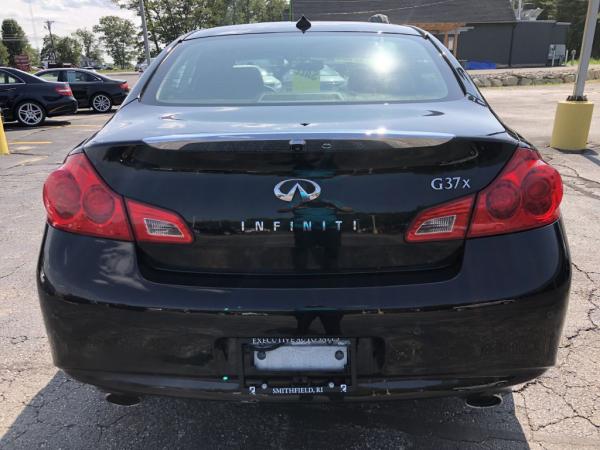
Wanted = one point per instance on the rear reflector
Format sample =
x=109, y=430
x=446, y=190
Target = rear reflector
x=77, y=200
x=152, y=224
x=443, y=222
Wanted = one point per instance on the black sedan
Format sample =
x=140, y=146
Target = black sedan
x=388, y=237
x=29, y=99
x=91, y=89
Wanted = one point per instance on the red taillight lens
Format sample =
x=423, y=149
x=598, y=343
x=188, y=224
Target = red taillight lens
x=77, y=200
x=64, y=90
x=151, y=224
x=443, y=222
x=525, y=195
x=124, y=86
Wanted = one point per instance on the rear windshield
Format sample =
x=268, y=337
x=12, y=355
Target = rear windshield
x=291, y=68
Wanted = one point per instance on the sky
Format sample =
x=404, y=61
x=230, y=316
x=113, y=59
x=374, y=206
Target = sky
x=67, y=14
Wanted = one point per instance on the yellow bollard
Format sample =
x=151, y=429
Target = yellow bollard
x=572, y=125
x=3, y=143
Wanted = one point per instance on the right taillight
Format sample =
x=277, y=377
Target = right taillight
x=525, y=195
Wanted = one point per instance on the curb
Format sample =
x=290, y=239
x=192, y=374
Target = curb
x=530, y=78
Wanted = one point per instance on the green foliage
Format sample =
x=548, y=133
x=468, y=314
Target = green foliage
x=89, y=44
x=574, y=12
x=119, y=37
x=67, y=49
x=14, y=39
x=593, y=61
x=169, y=19
x=3, y=55
x=549, y=7
x=34, y=56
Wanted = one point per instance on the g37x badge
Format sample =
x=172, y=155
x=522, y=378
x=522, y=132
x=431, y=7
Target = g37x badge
x=449, y=183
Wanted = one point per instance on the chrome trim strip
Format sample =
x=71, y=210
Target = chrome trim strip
x=396, y=139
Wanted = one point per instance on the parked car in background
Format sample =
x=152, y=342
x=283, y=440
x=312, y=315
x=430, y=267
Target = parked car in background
x=268, y=78
x=141, y=67
x=91, y=89
x=328, y=78
x=29, y=99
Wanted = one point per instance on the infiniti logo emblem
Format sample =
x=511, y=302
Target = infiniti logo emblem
x=287, y=190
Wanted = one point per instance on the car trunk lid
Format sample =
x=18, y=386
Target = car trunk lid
x=296, y=199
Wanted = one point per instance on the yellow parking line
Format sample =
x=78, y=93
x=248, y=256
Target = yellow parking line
x=30, y=160
x=30, y=142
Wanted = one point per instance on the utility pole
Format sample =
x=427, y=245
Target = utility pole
x=291, y=11
x=33, y=27
x=586, y=50
x=574, y=116
x=52, y=48
x=518, y=7
x=145, y=31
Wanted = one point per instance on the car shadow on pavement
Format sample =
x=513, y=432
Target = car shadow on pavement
x=68, y=414
x=47, y=123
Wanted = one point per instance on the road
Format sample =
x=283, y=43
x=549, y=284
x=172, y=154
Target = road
x=40, y=407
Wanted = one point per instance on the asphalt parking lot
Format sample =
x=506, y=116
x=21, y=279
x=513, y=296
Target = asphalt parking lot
x=40, y=407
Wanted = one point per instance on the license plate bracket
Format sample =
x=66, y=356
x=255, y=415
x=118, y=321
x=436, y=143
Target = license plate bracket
x=297, y=366
x=302, y=356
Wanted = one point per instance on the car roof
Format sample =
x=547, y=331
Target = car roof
x=25, y=76
x=79, y=69
x=290, y=27
x=54, y=69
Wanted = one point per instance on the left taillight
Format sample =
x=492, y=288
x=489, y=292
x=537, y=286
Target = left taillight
x=124, y=86
x=152, y=224
x=64, y=90
x=78, y=200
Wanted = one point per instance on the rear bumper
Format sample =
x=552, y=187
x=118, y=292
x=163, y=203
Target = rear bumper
x=495, y=324
x=118, y=98
x=64, y=106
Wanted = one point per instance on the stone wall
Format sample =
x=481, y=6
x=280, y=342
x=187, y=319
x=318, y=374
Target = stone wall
x=524, y=78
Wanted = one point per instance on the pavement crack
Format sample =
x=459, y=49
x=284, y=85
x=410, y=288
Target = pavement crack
x=15, y=270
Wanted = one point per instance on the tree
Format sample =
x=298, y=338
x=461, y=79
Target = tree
x=169, y=19
x=34, y=55
x=4, y=56
x=68, y=49
x=89, y=44
x=119, y=37
x=14, y=39
x=574, y=12
x=548, y=6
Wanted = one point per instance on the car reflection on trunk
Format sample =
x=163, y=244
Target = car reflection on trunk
x=316, y=233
